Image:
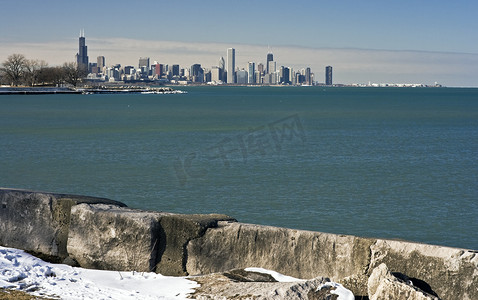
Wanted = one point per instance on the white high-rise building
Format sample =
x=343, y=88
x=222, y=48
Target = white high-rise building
x=222, y=70
x=222, y=64
x=215, y=74
x=258, y=77
x=271, y=67
x=231, y=65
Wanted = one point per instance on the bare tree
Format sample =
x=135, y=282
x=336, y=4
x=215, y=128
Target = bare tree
x=51, y=75
x=33, y=69
x=72, y=74
x=14, y=68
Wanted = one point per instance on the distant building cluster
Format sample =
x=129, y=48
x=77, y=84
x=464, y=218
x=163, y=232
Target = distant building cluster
x=226, y=72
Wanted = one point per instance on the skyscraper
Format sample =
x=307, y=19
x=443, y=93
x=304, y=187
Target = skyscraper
x=258, y=77
x=197, y=73
x=215, y=74
x=128, y=70
x=308, y=76
x=252, y=73
x=175, y=70
x=222, y=70
x=231, y=65
x=260, y=68
x=222, y=64
x=100, y=62
x=157, y=69
x=144, y=66
x=144, y=62
x=271, y=67
x=328, y=75
x=241, y=76
x=270, y=57
x=284, y=75
x=82, y=55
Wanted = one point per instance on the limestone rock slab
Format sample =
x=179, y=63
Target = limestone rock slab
x=35, y=222
x=298, y=253
x=38, y=222
x=109, y=237
x=176, y=231
x=382, y=284
x=450, y=273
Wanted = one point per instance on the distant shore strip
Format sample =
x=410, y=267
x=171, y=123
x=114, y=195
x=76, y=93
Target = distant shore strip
x=88, y=91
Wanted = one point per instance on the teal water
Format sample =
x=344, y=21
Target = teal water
x=379, y=162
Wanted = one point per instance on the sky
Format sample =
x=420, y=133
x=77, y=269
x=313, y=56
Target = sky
x=409, y=41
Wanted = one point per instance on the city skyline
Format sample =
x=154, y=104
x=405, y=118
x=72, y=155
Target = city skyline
x=372, y=41
x=99, y=71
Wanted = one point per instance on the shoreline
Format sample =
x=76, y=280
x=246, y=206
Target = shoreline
x=170, y=89
x=88, y=90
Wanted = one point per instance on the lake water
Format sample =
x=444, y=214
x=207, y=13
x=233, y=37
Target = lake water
x=377, y=162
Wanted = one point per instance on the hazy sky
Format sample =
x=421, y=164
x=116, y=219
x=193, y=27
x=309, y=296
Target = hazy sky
x=415, y=41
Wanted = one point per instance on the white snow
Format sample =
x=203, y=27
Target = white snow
x=277, y=276
x=344, y=294
x=19, y=270
x=22, y=271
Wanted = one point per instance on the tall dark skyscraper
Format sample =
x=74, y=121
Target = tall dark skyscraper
x=175, y=70
x=285, y=75
x=328, y=75
x=197, y=73
x=270, y=57
x=82, y=55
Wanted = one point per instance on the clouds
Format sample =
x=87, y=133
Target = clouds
x=350, y=65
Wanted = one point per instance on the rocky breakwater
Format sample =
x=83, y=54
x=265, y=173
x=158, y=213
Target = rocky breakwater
x=105, y=234
x=98, y=233
x=39, y=222
x=449, y=273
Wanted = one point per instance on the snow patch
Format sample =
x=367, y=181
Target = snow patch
x=277, y=276
x=343, y=293
x=22, y=271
